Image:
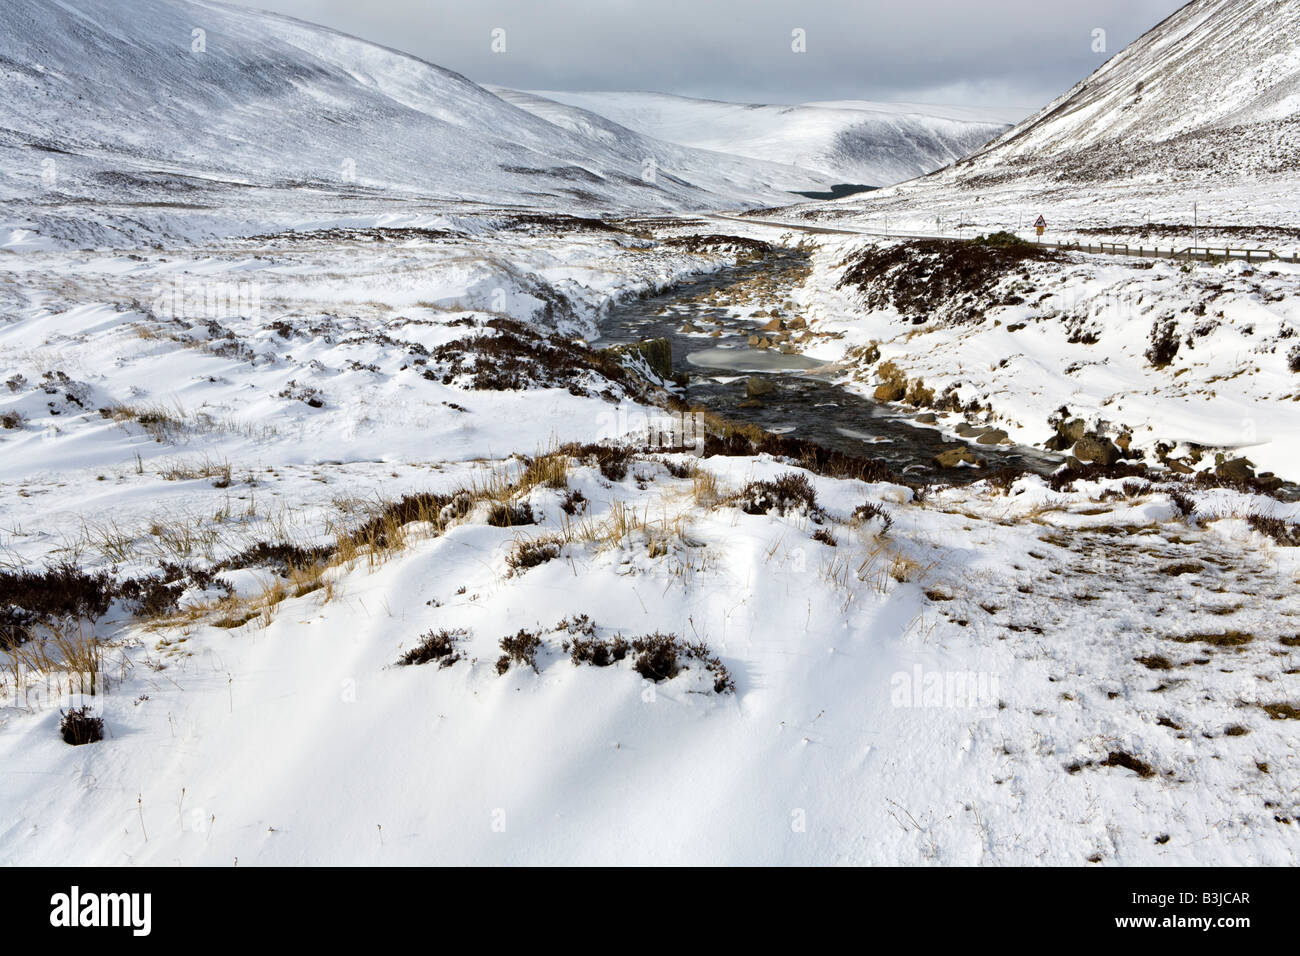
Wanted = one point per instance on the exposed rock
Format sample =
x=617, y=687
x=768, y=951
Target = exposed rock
x=956, y=457
x=656, y=353
x=1100, y=451
x=1074, y=429
x=1235, y=469
x=1067, y=433
x=755, y=387
x=775, y=325
x=994, y=436
x=928, y=418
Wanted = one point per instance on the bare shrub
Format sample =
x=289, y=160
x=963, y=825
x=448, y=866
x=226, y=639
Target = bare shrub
x=59, y=592
x=574, y=502
x=1164, y=343
x=612, y=460
x=598, y=653
x=520, y=648
x=80, y=726
x=1285, y=534
x=864, y=513
x=530, y=553
x=437, y=646
x=507, y=514
x=791, y=492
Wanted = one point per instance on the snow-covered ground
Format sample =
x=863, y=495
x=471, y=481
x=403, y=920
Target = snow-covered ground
x=998, y=676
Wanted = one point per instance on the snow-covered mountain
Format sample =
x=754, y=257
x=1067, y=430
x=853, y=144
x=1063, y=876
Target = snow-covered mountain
x=852, y=141
x=1202, y=108
x=1215, y=87
x=199, y=104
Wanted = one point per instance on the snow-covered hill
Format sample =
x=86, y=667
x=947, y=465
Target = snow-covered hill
x=201, y=106
x=1202, y=109
x=852, y=141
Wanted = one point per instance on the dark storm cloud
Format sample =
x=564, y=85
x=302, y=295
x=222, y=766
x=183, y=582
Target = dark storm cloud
x=991, y=52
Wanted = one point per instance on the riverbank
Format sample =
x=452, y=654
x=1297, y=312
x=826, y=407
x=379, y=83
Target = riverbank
x=1186, y=366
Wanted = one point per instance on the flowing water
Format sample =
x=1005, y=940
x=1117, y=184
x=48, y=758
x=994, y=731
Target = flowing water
x=805, y=401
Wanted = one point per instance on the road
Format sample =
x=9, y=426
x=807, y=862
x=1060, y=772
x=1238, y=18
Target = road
x=1103, y=248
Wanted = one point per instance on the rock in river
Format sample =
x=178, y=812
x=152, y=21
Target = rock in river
x=956, y=457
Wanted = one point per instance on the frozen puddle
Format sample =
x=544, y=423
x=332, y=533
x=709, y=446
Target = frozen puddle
x=750, y=360
x=863, y=436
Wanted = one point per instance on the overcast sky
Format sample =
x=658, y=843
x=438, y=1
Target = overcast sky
x=978, y=52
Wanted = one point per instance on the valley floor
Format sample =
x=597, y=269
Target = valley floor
x=287, y=465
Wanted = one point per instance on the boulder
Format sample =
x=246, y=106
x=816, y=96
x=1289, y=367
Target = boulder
x=1067, y=434
x=1073, y=430
x=1099, y=451
x=928, y=418
x=656, y=353
x=994, y=436
x=956, y=457
x=755, y=387
x=1235, y=469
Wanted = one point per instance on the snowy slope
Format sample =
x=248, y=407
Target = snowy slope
x=111, y=102
x=852, y=141
x=1214, y=86
x=1199, y=109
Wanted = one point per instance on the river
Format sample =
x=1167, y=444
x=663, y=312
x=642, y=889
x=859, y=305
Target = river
x=806, y=401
